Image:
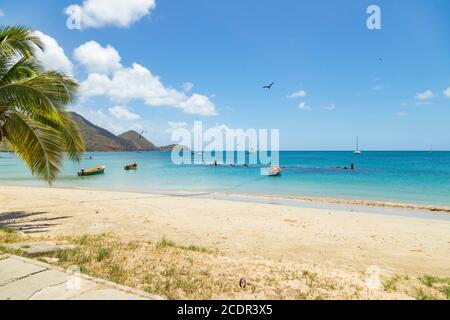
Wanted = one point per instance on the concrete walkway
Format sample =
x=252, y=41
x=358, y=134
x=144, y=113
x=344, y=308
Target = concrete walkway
x=26, y=279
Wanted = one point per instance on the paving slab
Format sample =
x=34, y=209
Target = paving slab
x=25, y=288
x=12, y=269
x=39, y=248
x=66, y=290
x=26, y=279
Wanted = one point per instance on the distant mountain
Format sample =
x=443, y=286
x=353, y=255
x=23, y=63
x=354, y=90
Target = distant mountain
x=138, y=141
x=171, y=147
x=99, y=139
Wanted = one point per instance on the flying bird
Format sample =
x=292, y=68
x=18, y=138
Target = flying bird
x=269, y=86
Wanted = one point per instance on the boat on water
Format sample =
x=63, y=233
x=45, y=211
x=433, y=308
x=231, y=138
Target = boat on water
x=91, y=172
x=357, y=151
x=132, y=166
x=275, y=171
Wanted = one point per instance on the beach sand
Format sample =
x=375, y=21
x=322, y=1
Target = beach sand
x=324, y=238
x=186, y=247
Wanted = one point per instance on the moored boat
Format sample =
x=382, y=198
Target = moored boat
x=132, y=166
x=357, y=151
x=275, y=171
x=91, y=172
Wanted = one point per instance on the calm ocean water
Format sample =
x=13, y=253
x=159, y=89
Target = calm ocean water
x=417, y=177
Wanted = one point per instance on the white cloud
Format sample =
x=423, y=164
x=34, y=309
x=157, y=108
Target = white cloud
x=2, y=13
x=188, y=86
x=122, y=113
x=198, y=104
x=53, y=57
x=174, y=125
x=98, y=114
x=298, y=94
x=447, y=92
x=100, y=13
x=426, y=95
x=98, y=59
x=330, y=107
x=401, y=114
x=304, y=107
x=139, y=83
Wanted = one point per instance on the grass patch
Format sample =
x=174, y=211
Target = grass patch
x=193, y=272
x=166, y=268
x=431, y=281
x=116, y=273
x=7, y=230
x=391, y=284
x=441, y=284
x=103, y=253
x=446, y=292
x=9, y=235
x=424, y=295
x=428, y=280
x=165, y=243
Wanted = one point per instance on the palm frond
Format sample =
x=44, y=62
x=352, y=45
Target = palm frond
x=45, y=93
x=19, y=40
x=73, y=141
x=39, y=146
x=19, y=70
x=33, y=116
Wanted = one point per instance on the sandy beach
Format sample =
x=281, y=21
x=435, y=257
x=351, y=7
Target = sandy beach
x=325, y=237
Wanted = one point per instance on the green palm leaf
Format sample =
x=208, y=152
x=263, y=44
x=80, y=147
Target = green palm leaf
x=15, y=40
x=73, y=143
x=45, y=93
x=33, y=116
x=40, y=147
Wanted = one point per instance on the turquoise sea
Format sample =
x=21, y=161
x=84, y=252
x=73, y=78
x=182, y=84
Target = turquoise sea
x=413, y=177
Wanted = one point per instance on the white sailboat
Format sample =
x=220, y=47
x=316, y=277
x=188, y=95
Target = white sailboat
x=357, y=151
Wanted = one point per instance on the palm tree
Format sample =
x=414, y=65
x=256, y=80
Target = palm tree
x=33, y=116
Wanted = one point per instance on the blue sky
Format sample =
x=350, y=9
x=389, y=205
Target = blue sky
x=391, y=87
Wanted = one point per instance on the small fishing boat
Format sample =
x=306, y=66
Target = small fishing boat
x=91, y=172
x=275, y=171
x=132, y=166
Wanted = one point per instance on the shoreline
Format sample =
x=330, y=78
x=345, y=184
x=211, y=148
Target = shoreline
x=342, y=204
x=347, y=202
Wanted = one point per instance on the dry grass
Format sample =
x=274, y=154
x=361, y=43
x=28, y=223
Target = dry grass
x=193, y=272
x=425, y=287
x=8, y=235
